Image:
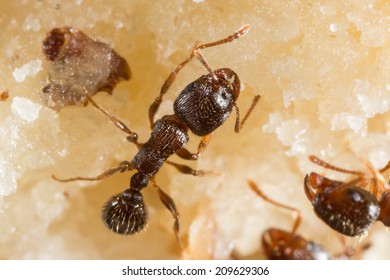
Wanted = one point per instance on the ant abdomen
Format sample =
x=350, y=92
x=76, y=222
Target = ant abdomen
x=349, y=210
x=125, y=213
x=206, y=103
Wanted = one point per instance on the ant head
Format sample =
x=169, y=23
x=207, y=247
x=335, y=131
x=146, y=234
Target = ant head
x=282, y=245
x=206, y=103
x=125, y=213
x=230, y=78
x=277, y=243
x=344, y=207
x=315, y=181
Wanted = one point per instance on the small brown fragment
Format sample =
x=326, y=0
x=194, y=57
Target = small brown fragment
x=79, y=67
x=4, y=95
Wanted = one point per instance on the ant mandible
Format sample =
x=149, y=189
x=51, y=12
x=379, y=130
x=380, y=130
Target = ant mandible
x=279, y=244
x=201, y=107
x=348, y=207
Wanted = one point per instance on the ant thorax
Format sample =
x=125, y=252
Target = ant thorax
x=169, y=135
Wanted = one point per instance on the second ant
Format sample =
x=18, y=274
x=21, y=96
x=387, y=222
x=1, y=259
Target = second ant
x=279, y=244
x=348, y=207
x=201, y=107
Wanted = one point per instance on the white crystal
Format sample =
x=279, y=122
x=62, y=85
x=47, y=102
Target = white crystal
x=30, y=69
x=31, y=24
x=25, y=109
x=346, y=120
x=371, y=101
x=333, y=27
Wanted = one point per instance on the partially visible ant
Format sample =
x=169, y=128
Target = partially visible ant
x=348, y=207
x=279, y=244
x=201, y=107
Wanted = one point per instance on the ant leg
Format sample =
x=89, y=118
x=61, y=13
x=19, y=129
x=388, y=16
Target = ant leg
x=348, y=251
x=123, y=166
x=153, y=108
x=185, y=154
x=239, y=125
x=194, y=53
x=297, y=222
x=378, y=179
x=133, y=137
x=185, y=169
x=171, y=206
x=385, y=168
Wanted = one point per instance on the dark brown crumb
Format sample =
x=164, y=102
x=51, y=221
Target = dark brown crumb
x=4, y=95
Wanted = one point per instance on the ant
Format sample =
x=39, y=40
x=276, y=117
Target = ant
x=279, y=244
x=348, y=207
x=201, y=107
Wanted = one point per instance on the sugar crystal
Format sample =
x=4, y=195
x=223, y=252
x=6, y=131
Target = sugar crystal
x=25, y=109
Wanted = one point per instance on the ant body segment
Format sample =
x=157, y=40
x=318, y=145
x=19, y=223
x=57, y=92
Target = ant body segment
x=201, y=107
x=279, y=244
x=348, y=207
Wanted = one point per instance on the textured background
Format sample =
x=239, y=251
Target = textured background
x=322, y=69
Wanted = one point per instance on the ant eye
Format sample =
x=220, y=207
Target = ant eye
x=125, y=213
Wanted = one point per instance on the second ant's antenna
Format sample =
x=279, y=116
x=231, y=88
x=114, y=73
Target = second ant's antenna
x=254, y=187
x=324, y=164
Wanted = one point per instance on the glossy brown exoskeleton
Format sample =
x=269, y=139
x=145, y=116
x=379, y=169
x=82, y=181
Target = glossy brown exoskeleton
x=201, y=108
x=348, y=207
x=279, y=244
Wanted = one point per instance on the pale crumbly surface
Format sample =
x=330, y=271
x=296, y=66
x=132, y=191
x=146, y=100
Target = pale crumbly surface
x=321, y=67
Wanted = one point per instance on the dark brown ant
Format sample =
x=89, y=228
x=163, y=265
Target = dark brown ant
x=201, y=107
x=348, y=207
x=279, y=244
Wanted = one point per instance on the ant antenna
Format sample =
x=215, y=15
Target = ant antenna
x=240, y=124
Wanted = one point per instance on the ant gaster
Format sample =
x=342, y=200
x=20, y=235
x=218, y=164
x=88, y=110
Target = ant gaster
x=201, y=107
x=348, y=207
x=279, y=244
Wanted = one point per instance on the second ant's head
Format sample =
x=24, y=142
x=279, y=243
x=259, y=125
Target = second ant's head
x=282, y=245
x=125, y=213
x=345, y=207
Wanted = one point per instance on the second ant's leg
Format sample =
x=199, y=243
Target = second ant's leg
x=378, y=181
x=185, y=169
x=171, y=206
x=298, y=218
x=185, y=154
x=123, y=166
x=133, y=137
x=240, y=124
